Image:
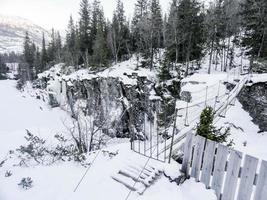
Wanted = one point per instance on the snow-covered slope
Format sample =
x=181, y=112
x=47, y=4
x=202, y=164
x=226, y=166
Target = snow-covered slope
x=12, y=33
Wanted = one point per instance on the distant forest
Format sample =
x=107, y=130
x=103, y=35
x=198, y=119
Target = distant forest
x=186, y=33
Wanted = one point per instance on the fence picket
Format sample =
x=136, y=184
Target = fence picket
x=219, y=169
x=208, y=162
x=197, y=157
x=261, y=187
x=224, y=179
x=187, y=154
x=247, y=178
x=232, y=175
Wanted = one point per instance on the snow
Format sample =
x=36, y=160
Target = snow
x=258, y=78
x=245, y=136
x=124, y=71
x=189, y=190
x=20, y=111
x=13, y=32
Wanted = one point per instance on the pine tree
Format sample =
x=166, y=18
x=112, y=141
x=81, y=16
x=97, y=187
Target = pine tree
x=29, y=53
x=3, y=69
x=100, y=49
x=72, y=44
x=206, y=128
x=58, y=47
x=100, y=52
x=254, y=23
x=190, y=33
x=28, y=50
x=38, y=62
x=156, y=29
x=85, y=43
x=51, y=50
x=139, y=25
x=119, y=34
x=97, y=18
x=44, y=58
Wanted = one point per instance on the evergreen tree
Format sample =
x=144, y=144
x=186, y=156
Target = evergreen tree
x=119, y=34
x=85, y=43
x=206, y=128
x=72, y=41
x=51, y=50
x=254, y=23
x=38, y=62
x=3, y=69
x=28, y=50
x=100, y=49
x=58, y=47
x=139, y=26
x=100, y=52
x=156, y=29
x=97, y=19
x=29, y=54
x=187, y=22
x=44, y=58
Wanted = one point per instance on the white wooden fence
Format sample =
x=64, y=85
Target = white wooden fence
x=230, y=173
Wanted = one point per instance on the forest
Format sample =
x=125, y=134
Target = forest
x=184, y=34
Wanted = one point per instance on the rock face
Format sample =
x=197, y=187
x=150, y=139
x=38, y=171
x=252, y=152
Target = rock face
x=126, y=100
x=108, y=99
x=254, y=100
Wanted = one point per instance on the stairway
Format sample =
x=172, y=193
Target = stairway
x=137, y=178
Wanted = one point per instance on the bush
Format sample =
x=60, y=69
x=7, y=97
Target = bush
x=26, y=183
x=206, y=129
x=37, y=152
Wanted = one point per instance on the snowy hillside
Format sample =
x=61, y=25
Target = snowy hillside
x=12, y=33
x=58, y=181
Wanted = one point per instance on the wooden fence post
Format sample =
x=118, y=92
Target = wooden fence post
x=247, y=178
x=261, y=189
x=198, y=152
x=187, y=154
x=232, y=173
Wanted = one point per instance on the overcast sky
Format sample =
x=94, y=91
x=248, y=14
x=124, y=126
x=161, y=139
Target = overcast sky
x=55, y=13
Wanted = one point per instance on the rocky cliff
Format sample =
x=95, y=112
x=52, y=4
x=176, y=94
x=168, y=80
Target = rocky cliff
x=254, y=100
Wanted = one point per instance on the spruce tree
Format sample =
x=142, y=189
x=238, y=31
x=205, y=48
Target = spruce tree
x=38, y=61
x=139, y=23
x=58, y=47
x=206, y=128
x=84, y=28
x=100, y=52
x=71, y=46
x=254, y=23
x=186, y=21
x=29, y=54
x=156, y=30
x=119, y=34
x=44, y=58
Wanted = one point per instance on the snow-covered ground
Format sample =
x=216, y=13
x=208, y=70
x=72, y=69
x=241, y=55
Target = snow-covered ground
x=244, y=132
x=20, y=111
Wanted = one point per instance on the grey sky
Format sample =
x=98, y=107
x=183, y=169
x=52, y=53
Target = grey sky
x=55, y=13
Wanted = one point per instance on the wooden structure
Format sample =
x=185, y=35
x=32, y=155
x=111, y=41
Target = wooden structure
x=230, y=173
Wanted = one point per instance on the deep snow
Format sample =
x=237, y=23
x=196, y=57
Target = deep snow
x=20, y=111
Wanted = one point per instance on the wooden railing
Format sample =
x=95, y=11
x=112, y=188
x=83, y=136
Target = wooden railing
x=228, y=172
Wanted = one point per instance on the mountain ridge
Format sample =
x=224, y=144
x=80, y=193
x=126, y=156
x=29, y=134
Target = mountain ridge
x=12, y=33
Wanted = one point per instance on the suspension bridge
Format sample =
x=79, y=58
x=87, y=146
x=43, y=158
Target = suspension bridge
x=186, y=118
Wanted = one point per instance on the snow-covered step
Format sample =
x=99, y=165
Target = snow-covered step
x=137, y=178
x=130, y=183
